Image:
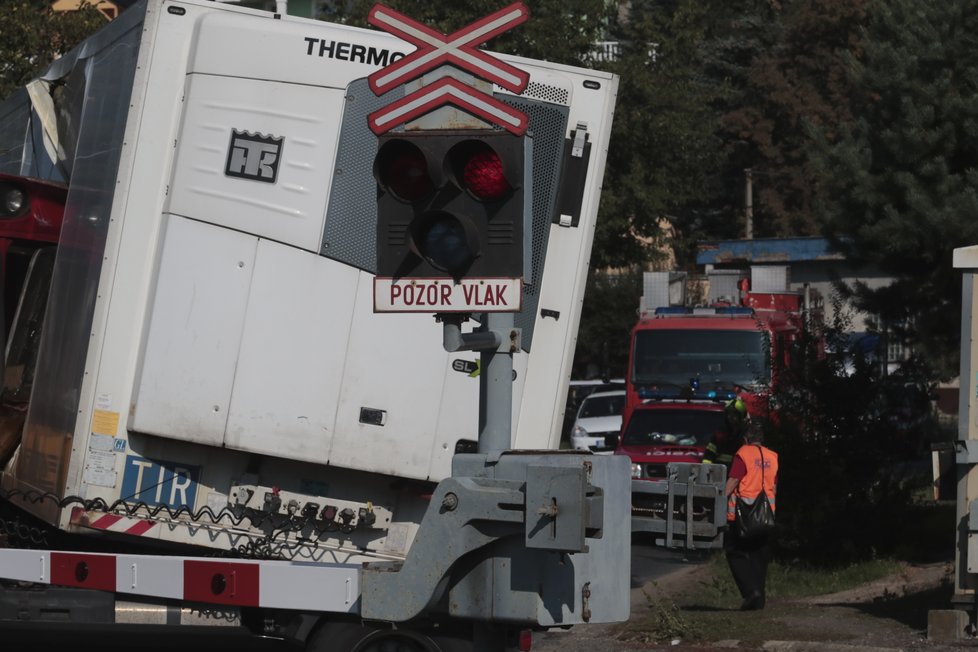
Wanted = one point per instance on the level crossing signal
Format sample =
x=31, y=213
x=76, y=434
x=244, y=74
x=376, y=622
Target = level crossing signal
x=450, y=204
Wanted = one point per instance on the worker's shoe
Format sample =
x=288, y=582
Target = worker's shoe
x=753, y=602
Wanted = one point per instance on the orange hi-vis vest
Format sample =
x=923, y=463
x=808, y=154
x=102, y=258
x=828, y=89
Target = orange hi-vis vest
x=749, y=486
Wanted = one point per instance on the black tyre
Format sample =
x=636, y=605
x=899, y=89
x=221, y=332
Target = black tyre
x=355, y=637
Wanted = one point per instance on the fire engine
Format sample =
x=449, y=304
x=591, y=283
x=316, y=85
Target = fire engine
x=736, y=343
x=210, y=416
x=687, y=361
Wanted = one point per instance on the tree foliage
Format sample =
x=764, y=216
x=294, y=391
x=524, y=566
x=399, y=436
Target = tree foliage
x=845, y=434
x=562, y=31
x=607, y=318
x=34, y=36
x=900, y=184
x=797, y=78
x=663, y=153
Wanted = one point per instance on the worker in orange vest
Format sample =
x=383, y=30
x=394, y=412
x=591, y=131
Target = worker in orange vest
x=754, y=468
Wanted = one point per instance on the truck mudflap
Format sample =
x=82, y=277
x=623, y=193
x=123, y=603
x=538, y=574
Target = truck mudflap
x=687, y=509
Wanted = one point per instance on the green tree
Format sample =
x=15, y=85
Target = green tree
x=32, y=36
x=607, y=317
x=899, y=186
x=797, y=78
x=663, y=153
x=844, y=434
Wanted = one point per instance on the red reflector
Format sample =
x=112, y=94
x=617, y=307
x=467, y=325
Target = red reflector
x=484, y=177
x=87, y=571
x=221, y=582
x=526, y=640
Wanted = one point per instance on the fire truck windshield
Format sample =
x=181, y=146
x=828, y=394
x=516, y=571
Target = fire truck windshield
x=725, y=358
x=678, y=427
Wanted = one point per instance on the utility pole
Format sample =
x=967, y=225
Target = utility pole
x=749, y=204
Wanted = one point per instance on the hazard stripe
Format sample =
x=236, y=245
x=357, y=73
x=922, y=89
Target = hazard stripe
x=112, y=522
x=105, y=522
x=140, y=528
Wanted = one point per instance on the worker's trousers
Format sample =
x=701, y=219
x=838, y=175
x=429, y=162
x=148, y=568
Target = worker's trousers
x=748, y=561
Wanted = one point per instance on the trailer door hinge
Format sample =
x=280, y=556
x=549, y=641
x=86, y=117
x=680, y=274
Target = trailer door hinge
x=580, y=138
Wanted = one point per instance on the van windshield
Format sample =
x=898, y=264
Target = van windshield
x=678, y=427
x=673, y=357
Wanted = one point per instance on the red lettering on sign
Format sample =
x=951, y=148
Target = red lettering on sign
x=500, y=299
x=435, y=294
x=489, y=295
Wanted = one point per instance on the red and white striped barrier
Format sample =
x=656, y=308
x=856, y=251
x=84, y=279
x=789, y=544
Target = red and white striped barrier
x=114, y=523
x=243, y=583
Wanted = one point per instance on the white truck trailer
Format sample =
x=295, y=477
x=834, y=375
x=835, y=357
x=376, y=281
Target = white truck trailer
x=200, y=405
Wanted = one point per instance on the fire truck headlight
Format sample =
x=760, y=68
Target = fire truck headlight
x=636, y=470
x=13, y=201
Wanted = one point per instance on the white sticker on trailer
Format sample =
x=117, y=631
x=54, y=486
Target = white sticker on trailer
x=100, y=468
x=445, y=295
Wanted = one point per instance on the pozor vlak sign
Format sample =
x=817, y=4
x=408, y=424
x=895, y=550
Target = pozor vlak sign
x=447, y=295
x=451, y=201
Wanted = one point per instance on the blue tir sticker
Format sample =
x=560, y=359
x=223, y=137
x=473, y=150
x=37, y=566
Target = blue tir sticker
x=158, y=482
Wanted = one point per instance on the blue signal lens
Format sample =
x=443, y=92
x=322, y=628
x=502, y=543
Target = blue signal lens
x=444, y=243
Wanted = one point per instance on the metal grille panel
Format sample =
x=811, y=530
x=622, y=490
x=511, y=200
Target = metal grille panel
x=546, y=92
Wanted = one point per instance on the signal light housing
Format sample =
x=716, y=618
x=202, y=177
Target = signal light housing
x=451, y=204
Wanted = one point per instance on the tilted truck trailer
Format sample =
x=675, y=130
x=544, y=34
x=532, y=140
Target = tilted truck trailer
x=203, y=420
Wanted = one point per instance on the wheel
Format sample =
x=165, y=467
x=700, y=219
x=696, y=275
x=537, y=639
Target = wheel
x=356, y=637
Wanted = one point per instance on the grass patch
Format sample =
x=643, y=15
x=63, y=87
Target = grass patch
x=788, y=580
x=707, y=608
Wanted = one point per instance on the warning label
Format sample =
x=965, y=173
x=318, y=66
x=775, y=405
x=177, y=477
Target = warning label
x=445, y=295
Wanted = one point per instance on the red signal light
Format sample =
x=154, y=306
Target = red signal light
x=483, y=175
x=479, y=170
x=402, y=169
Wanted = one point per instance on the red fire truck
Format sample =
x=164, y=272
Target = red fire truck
x=730, y=346
x=686, y=363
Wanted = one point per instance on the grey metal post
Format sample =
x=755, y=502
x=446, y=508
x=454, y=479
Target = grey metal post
x=966, y=454
x=967, y=489
x=497, y=339
x=496, y=390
